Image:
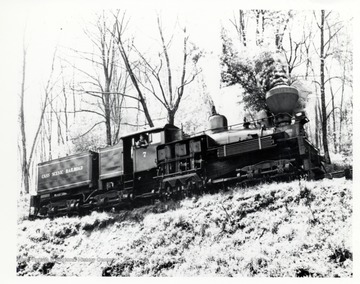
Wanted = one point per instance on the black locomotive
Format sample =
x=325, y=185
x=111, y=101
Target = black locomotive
x=170, y=163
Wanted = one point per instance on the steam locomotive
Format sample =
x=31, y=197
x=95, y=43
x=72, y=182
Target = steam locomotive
x=172, y=164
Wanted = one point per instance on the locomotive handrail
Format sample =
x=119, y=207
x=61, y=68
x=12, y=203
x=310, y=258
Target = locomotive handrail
x=177, y=173
x=241, y=123
x=178, y=158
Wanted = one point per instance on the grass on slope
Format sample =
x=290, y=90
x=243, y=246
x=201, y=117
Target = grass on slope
x=291, y=229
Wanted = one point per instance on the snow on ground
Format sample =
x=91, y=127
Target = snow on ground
x=341, y=160
x=296, y=229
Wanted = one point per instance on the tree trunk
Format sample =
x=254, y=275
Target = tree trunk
x=319, y=123
x=317, y=143
x=322, y=89
x=73, y=96
x=65, y=111
x=341, y=109
x=258, y=41
x=134, y=80
x=137, y=115
x=262, y=24
x=24, y=166
x=171, y=117
x=333, y=117
x=26, y=162
x=49, y=122
x=106, y=97
x=242, y=27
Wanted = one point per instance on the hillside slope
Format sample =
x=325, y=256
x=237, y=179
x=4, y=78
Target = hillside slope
x=291, y=229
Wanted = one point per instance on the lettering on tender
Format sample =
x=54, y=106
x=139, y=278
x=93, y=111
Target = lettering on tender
x=61, y=172
x=57, y=173
x=74, y=169
x=45, y=175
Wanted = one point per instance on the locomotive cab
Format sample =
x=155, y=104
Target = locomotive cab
x=143, y=147
x=140, y=147
x=140, y=157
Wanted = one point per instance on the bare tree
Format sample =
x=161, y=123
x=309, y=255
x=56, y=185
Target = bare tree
x=343, y=57
x=66, y=114
x=325, y=51
x=332, y=113
x=105, y=88
x=322, y=87
x=118, y=35
x=282, y=25
x=260, y=26
x=171, y=94
x=343, y=82
x=240, y=26
x=24, y=166
x=295, y=55
x=268, y=25
x=27, y=159
x=48, y=126
x=158, y=80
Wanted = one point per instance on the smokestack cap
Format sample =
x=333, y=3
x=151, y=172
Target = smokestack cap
x=282, y=99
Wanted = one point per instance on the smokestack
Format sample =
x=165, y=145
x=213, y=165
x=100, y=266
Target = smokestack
x=282, y=99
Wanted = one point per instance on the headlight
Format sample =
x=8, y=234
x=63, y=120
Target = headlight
x=32, y=210
x=301, y=117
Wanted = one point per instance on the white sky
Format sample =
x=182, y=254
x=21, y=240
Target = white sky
x=60, y=23
x=50, y=26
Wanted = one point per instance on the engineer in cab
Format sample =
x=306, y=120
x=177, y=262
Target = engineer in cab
x=142, y=142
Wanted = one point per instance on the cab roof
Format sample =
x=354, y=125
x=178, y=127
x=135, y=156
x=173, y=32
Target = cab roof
x=151, y=130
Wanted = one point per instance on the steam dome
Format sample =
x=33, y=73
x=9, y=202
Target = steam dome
x=218, y=123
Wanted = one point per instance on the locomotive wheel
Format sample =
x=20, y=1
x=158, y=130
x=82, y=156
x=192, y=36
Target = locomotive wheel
x=178, y=195
x=188, y=189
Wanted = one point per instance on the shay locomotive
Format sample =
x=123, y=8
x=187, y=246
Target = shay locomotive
x=173, y=164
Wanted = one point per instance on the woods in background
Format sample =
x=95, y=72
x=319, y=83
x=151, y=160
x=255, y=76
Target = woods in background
x=94, y=95
x=309, y=45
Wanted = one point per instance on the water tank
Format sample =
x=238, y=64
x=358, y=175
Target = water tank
x=218, y=123
x=282, y=99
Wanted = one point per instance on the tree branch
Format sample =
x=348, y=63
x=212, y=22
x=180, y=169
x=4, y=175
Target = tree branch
x=43, y=109
x=167, y=63
x=107, y=93
x=82, y=135
x=89, y=111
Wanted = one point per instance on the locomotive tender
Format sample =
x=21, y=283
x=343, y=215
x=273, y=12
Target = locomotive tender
x=174, y=164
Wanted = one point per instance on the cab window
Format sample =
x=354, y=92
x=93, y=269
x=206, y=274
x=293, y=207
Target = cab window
x=155, y=137
x=141, y=141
